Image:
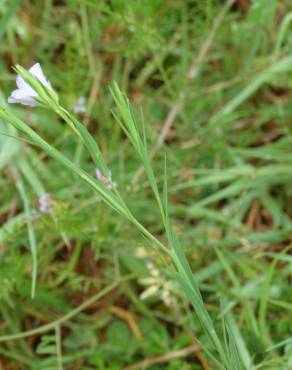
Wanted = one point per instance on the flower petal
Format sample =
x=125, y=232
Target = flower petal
x=22, y=97
x=22, y=85
x=36, y=70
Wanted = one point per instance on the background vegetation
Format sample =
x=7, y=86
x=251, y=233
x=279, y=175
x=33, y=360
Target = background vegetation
x=213, y=80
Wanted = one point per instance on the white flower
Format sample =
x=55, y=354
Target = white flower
x=149, y=292
x=106, y=181
x=25, y=94
x=45, y=203
x=80, y=106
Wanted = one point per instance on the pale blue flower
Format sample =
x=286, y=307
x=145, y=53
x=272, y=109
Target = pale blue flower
x=25, y=94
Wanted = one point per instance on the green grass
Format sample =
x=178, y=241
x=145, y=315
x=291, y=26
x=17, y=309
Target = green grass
x=186, y=263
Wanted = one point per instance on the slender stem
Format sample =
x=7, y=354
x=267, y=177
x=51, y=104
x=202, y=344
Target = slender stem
x=59, y=347
x=150, y=236
x=68, y=316
x=31, y=234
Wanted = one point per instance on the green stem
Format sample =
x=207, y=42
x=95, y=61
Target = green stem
x=52, y=325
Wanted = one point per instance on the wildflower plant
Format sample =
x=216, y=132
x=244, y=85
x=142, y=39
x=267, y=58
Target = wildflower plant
x=34, y=89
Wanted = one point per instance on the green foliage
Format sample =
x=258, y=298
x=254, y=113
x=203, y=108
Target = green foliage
x=47, y=348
